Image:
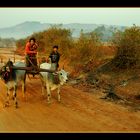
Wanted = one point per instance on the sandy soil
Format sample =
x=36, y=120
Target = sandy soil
x=78, y=112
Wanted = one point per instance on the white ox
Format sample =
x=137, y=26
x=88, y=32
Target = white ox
x=48, y=83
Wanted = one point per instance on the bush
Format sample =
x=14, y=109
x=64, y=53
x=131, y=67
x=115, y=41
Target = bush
x=86, y=48
x=128, y=47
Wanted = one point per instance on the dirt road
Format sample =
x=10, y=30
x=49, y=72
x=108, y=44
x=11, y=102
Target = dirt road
x=78, y=112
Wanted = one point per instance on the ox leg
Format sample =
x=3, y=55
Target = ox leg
x=58, y=92
x=23, y=89
x=15, y=96
x=48, y=92
x=43, y=88
x=8, y=98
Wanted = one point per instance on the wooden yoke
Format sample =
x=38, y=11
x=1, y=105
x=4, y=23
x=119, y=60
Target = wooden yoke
x=32, y=68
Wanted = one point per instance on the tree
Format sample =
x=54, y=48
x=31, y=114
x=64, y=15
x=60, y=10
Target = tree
x=100, y=30
x=128, y=47
x=86, y=47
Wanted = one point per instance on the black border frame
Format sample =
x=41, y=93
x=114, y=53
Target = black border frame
x=70, y=3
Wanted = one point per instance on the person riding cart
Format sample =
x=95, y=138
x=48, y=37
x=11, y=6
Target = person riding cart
x=54, y=58
x=31, y=52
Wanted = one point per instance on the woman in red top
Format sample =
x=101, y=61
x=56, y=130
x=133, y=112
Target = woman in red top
x=30, y=52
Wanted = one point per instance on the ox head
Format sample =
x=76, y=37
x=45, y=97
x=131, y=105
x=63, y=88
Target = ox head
x=6, y=70
x=63, y=76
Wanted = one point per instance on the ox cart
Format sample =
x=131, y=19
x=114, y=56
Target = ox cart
x=33, y=69
x=12, y=74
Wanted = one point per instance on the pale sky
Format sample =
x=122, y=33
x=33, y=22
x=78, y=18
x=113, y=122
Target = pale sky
x=109, y=16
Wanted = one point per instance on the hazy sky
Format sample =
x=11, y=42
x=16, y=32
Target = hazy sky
x=110, y=16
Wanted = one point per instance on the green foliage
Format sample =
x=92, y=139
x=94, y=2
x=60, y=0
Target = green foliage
x=86, y=47
x=58, y=36
x=99, y=31
x=128, y=47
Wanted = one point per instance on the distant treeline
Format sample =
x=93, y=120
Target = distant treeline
x=7, y=42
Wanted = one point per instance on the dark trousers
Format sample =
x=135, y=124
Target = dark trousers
x=29, y=58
